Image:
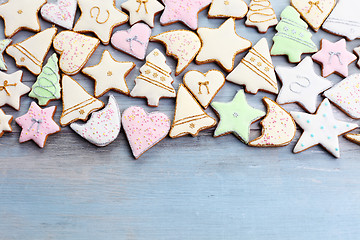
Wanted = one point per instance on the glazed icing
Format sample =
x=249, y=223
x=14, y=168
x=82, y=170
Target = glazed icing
x=142, y=10
x=261, y=15
x=3, y=45
x=5, y=122
x=228, y=8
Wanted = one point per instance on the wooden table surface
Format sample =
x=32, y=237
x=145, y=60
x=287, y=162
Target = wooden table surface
x=185, y=188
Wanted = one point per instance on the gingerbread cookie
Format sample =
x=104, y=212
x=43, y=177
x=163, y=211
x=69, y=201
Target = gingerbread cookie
x=261, y=15
x=355, y=138
x=142, y=10
x=228, y=8
x=61, y=13
x=3, y=45
x=5, y=123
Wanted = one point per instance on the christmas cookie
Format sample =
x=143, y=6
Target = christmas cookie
x=261, y=15
x=357, y=52
x=47, y=86
x=355, y=138
x=278, y=129
x=301, y=85
x=77, y=103
x=5, y=123
x=334, y=58
x=31, y=52
x=182, y=44
x=144, y=130
x=228, y=8
x=236, y=117
x=189, y=117
x=3, y=45
x=21, y=14
x=256, y=70
x=75, y=50
x=99, y=17
x=321, y=128
x=293, y=37
x=103, y=126
x=11, y=89
x=133, y=41
x=61, y=13
x=109, y=74
x=224, y=53
x=204, y=86
x=142, y=10
x=155, y=80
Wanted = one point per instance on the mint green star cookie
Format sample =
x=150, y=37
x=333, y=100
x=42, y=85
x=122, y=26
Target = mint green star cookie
x=236, y=117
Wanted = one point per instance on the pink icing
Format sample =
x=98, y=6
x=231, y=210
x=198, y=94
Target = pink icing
x=144, y=130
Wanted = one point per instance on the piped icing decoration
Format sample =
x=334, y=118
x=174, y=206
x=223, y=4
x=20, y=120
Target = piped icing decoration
x=37, y=124
x=256, y=70
x=103, y=127
x=204, y=86
x=61, y=13
x=5, y=123
x=221, y=45
x=293, y=37
x=20, y=15
x=99, y=17
x=31, y=52
x=142, y=10
x=11, y=89
x=355, y=138
x=261, y=15
x=47, y=86
x=109, y=74
x=75, y=49
x=133, y=41
x=144, y=130
x=301, y=84
x=189, y=117
x=278, y=129
x=228, y=8
x=77, y=103
x=182, y=44
x=185, y=11
x=236, y=117
x=334, y=58
x=155, y=80
x=321, y=128
x=3, y=45
x=346, y=95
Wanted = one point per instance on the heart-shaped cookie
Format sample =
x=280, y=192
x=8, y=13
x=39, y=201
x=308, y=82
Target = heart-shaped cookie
x=61, y=13
x=204, y=86
x=75, y=50
x=133, y=41
x=144, y=130
x=314, y=12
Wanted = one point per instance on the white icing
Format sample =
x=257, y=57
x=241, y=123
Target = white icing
x=3, y=45
x=228, y=8
x=61, y=13
x=5, y=122
x=261, y=15
x=142, y=10
x=353, y=137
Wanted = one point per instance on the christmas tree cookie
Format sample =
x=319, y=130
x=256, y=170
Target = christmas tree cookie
x=261, y=15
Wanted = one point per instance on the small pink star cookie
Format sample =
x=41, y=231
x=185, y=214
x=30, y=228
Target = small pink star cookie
x=334, y=58
x=37, y=124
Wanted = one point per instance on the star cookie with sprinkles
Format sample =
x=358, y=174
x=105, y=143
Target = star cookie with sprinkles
x=5, y=122
x=142, y=10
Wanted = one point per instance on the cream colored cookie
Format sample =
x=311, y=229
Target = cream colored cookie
x=261, y=15
x=142, y=10
x=228, y=8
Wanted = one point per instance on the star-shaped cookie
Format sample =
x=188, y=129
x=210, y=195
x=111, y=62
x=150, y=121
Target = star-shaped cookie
x=221, y=45
x=334, y=58
x=3, y=45
x=109, y=74
x=321, y=128
x=5, y=122
x=236, y=117
x=21, y=14
x=99, y=17
x=301, y=85
x=11, y=89
x=37, y=124
x=142, y=10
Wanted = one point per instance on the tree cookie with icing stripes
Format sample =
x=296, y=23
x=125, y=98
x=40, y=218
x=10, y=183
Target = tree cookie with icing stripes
x=261, y=15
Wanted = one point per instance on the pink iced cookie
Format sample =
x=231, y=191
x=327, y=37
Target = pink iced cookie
x=144, y=130
x=185, y=11
x=133, y=41
x=61, y=13
x=37, y=124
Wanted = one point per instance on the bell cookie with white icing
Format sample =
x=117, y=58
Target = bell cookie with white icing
x=261, y=15
x=61, y=13
x=228, y=8
x=5, y=123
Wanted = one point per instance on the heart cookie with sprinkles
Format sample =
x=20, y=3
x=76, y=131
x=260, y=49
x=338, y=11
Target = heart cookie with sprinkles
x=61, y=13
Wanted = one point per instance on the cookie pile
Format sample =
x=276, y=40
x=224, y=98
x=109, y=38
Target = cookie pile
x=255, y=72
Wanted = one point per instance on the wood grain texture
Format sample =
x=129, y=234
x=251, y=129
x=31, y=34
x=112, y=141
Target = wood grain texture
x=186, y=188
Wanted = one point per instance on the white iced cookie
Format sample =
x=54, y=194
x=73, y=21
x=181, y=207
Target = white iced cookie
x=155, y=80
x=21, y=14
x=109, y=74
x=221, y=45
x=204, y=87
x=321, y=128
x=99, y=17
x=3, y=45
x=61, y=13
x=189, y=117
x=5, y=123
x=278, y=129
x=184, y=45
x=31, y=52
x=142, y=10
x=256, y=70
x=355, y=138
x=261, y=15
x=301, y=85
x=228, y=8
x=103, y=127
